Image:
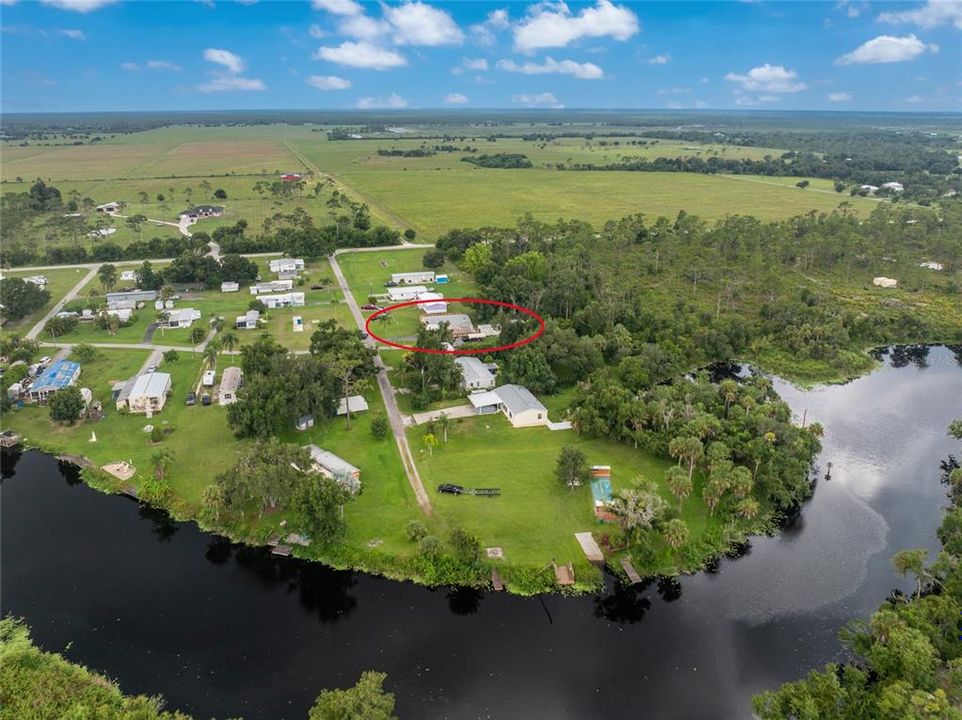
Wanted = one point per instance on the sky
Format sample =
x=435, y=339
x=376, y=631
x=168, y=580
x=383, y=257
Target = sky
x=110, y=55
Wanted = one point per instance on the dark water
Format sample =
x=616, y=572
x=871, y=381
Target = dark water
x=227, y=631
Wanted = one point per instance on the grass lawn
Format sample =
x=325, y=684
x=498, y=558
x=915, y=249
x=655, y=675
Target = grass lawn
x=59, y=283
x=535, y=518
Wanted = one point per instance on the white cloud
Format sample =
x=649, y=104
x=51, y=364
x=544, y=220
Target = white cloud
x=164, y=65
x=338, y=7
x=392, y=101
x=74, y=34
x=363, y=27
x=485, y=33
x=476, y=64
x=913, y=99
x=316, y=32
x=229, y=60
x=851, y=8
x=226, y=80
x=750, y=101
x=416, y=23
x=455, y=99
x=768, y=79
x=81, y=6
x=222, y=82
x=328, y=82
x=659, y=59
x=933, y=14
x=361, y=55
x=839, y=97
x=887, y=49
x=582, y=71
x=545, y=100
x=554, y=25
x=129, y=67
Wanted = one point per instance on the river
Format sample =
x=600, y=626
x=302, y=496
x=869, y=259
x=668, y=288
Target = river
x=228, y=631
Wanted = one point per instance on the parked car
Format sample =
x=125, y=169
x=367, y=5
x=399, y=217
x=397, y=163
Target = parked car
x=191, y=398
x=450, y=489
x=390, y=283
x=45, y=360
x=151, y=368
x=316, y=286
x=363, y=335
x=370, y=306
x=205, y=400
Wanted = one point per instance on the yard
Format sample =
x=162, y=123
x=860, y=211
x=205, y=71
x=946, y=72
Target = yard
x=59, y=283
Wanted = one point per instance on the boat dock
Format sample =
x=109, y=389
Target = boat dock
x=564, y=574
x=496, y=580
x=281, y=550
x=630, y=571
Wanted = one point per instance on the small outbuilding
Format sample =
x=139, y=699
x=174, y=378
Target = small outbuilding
x=304, y=422
x=229, y=287
x=356, y=403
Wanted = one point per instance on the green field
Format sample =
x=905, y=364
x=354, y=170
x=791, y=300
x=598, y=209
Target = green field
x=430, y=194
x=59, y=283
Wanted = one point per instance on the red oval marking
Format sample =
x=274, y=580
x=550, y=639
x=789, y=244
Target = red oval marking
x=470, y=351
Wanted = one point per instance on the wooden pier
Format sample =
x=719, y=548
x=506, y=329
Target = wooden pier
x=9, y=439
x=496, y=581
x=281, y=550
x=630, y=571
x=564, y=574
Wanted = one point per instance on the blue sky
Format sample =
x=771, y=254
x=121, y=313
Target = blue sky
x=70, y=55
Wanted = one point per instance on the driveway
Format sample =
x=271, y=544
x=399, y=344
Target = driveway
x=458, y=411
x=394, y=416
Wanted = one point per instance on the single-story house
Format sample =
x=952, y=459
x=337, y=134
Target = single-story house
x=135, y=295
x=885, y=282
x=182, y=317
x=868, y=188
x=357, y=403
x=56, y=376
x=403, y=294
x=474, y=375
x=248, y=321
x=286, y=265
x=272, y=286
x=202, y=211
x=128, y=276
x=336, y=468
x=521, y=407
x=413, y=278
x=459, y=324
x=304, y=422
x=290, y=177
x=893, y=186
x=229, y=287
x=145, y=393
x=38, y=280
x=230, y=381
x=124, y=304
x=930, y=265
x=485, y=403
x=291, y=299
x=122, y=314
x=436, y=305
x=109, y=208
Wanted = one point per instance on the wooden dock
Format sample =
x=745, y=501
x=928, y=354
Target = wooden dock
x=630, y=571
x=9, y=439
x=590, y=548
x=281, y=550
x=274, y=540
x=564, y=574
x=496, y=580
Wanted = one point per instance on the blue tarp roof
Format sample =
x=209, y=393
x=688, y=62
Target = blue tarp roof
x=58, y=375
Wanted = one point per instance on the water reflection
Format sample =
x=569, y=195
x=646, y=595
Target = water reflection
x=162, y=525
x=464, y=600
x=624, y=603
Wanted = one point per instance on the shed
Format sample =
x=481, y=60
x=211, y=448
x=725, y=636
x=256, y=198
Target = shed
x=356, y=403
x=229, y=287
x=336, y=468
x=474, y=375
x=304, y=422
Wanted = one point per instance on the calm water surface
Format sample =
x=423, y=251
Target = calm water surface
x=224, y=631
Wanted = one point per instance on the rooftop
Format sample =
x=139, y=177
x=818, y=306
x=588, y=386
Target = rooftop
x=518, y=398
x=150, y=385
x=474, y=371
x=58, y=375
x=337, y=466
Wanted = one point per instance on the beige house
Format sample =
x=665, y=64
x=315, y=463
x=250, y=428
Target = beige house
x=145, y=393
x=521, y=407
x=230, y=382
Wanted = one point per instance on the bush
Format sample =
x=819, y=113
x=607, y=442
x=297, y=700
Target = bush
x=85, y=353
x=433, y=259
x=156, y=435
x=467, y=548
x=66, y=405
x=220, y=194
x=410, y=234
x=430, y=546
x=379, y=427
x=415, y=530
x=171, y=356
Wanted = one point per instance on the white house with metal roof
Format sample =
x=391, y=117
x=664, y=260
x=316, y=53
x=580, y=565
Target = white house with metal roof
x=230, y=382
x=436, y=304
x=336, y=468
x=459, y=323
x=413, y=278
x=145, y=393
x=474, y=375
x=405, y=293
x=521, y=407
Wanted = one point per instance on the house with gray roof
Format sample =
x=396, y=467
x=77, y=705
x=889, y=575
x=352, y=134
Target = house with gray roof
x=521, y=407
x=336, y=468
x=474, y=374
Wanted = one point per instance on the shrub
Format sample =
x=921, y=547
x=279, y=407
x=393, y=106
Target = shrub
x=415, y=530
x=430, y=546
x=85, y=353
x=156, y=435
x=66, y=405
x=467, y=548
x=410, y=234
x=379, y=427
x=171, y=356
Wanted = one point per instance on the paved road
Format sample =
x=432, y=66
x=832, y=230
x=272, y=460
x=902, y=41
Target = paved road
x=118, y=263
x=387, y=393
x=58, y=306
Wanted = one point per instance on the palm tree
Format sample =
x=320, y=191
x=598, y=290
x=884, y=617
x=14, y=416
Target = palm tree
x=741, y=481
x=228, y=341
x=213, y=501
x=679, y=484
x=676, y=533
x=687, y=448
x=217, y=323
x=912, y=561
x=748, y=508
x=108, y=276
x=443, y=422
x=210, y=353
x=160, y=463
x=430, y=442
x=712, y=493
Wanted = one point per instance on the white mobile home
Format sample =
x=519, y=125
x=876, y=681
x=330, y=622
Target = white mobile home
x=474, y=375
x=336, y=468
x=436, y=304
x=229, y=287
x=182, y=317
x=144, y=393
x=413, y=278
x=291, y=299
x=286, y=265
x=248, y=321
x=272, y=286
x=403, y=294
x=230, y=382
